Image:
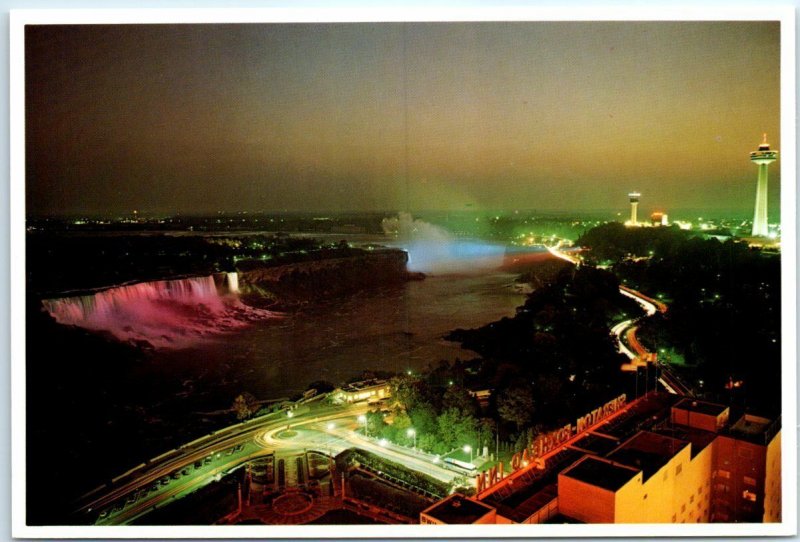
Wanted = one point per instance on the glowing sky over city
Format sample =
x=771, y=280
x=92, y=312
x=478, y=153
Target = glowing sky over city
x=391, y=116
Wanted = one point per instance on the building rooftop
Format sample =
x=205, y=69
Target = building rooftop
x=754, y=429
x=362, y=385
x=520, y=497
x=645, y=413
x=751, y=425
x=601, y=473
x=596, y=444
x=701, y=407
x=647, y=452
x=458, y=509
x=698, y=438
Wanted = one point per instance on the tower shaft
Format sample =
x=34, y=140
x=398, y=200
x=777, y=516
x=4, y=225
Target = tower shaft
x=763, y=157
x=634, y=208
x=760, y=228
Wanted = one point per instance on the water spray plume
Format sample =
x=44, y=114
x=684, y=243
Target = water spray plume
x=432, y=249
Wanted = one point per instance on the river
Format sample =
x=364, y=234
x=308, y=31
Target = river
x=389, y=329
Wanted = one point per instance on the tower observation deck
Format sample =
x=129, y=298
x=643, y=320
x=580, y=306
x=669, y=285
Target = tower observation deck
x=763, y=157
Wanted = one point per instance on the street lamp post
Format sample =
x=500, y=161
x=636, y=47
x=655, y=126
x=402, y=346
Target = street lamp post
x=468, y=450
x=410, y=432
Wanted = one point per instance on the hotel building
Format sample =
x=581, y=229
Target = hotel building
x=660, y=459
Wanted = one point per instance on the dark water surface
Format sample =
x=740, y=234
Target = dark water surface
x=390, y=329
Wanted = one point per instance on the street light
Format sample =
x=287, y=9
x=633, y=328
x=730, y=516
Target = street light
x=331, y=425
x=383, y=442
x=468, y=450
x=289, y=414
x=411, y=433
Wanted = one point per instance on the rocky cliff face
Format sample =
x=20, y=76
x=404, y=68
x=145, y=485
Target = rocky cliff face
x=320, y=279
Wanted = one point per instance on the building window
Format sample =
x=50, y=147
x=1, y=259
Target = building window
x=683, y=508
x=691, y=499
x=674, y=518
x=749, y=496
x=723, y=473
x=678, y=469
x=700, y=490
x=645, y=497
x=749, y=481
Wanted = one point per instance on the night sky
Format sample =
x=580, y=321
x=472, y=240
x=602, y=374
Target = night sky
x=390, y=116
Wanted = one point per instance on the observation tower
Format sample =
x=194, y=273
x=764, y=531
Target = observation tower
x=634, y=199
x=763, y=157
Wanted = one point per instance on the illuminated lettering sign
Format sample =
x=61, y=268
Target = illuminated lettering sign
x=547, y=442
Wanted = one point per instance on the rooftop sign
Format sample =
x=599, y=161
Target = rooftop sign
x=547, y=442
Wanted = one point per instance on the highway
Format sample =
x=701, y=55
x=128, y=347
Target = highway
x=177, y=473
x=625, y=334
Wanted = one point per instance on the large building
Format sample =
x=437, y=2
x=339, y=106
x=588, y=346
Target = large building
x=659, y=459
x=366, y=390
x=763, y=157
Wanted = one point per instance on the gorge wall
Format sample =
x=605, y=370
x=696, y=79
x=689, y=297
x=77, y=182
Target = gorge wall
x=324, y=278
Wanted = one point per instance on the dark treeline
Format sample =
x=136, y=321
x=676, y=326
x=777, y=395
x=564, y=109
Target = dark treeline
x=59, y=262
x=555, y=359
x=724, y=308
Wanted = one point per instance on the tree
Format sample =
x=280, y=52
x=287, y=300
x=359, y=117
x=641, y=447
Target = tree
x=459, y=398
x=245, y=405
x=405, y=391
x=423, y=419
x=465, y=432
x=401, y=423
x=446, y=422
x=428, y=442
x=487, y=429
x=375, y=423
x=516, y=405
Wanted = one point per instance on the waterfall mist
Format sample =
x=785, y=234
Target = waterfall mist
x=432, y=249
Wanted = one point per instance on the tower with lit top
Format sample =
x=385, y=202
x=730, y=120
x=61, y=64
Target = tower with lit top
x=634, y=199
x=763, y=157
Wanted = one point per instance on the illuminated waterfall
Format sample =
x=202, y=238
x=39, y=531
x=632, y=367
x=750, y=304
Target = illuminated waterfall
x=166, y=313
x=233, y=282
